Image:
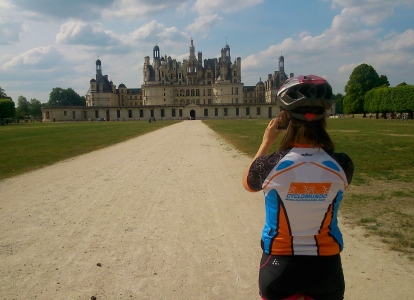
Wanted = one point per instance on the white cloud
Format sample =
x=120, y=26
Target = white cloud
x=80, y=33
x=10, y=31
x=39, y=59
x=154, y=32
x=370, y=12
x=213, y=6
x=203, y=24
x=131, y=9
x=58, y=9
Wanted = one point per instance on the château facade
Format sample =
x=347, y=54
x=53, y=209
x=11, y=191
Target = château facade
x=171, y=89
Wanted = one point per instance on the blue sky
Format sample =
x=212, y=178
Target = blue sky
x=46, y=44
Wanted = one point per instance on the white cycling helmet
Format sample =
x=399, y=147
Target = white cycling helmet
x=305, y=91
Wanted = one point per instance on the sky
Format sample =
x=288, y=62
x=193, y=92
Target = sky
x=46, y=44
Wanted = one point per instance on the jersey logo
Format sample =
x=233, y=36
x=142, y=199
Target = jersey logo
x=306, y=154
x=308, y=191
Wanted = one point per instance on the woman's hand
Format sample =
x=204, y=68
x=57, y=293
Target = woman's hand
x=272, y=132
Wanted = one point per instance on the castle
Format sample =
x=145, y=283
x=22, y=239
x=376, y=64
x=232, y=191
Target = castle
x=192, y=88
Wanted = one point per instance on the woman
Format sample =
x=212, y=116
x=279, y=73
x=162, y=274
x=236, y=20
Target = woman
x=303, y=184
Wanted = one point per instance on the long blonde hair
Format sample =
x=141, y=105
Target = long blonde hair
x=297, y=130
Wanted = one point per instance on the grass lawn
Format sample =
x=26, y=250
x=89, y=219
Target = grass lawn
x=380, y=197
x=28, y=146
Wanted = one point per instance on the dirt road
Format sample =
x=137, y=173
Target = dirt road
x=161, y=216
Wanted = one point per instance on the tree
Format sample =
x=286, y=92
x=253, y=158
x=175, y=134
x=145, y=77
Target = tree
x=383, y=81
x=362, y=79
x=65, y=97
x=3, y=94
x=6, y=109
x=22, y=107
x=339, y=103
x=35, y=108
x=402, y=83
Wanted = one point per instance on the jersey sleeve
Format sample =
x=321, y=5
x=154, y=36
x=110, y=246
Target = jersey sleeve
x=261, y=167
x=346, y=163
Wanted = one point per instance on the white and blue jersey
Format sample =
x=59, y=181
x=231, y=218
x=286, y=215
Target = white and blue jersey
x=303, y=188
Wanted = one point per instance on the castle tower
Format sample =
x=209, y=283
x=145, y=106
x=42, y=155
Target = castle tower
x=156, y=57
x=281, y=70
x=192, y=50
x=200, y=57
x=98, y=67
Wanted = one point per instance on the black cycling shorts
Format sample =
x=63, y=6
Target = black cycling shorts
x=318, y=277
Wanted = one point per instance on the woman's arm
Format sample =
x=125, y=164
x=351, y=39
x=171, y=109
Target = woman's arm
x=269, y=137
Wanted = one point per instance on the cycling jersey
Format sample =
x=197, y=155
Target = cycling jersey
x=303, y=187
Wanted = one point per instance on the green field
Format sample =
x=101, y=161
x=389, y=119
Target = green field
x=380, y=197
x=28, y=146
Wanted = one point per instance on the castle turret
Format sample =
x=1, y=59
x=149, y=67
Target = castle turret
x=98, y=67
x=281, y=70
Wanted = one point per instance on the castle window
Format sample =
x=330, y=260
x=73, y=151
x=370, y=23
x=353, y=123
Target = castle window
x=247, y=111
x=73, y=114
x=197, y=92
x=141, y=113
x=237, y=90
x=205, y=112
x=225, y=112
x=173, y=113
x=209, y=92
x=192, y=92
x=208, y=75
x=216, y=112
x=130, y=113
x=65, y=113
x=187, y=92
x=162, y=113
x=96, y=114
x=258, y=111
x=47, y=115
x=237, y=111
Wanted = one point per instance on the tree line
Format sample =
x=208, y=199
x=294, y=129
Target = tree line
x=366, y=91
x=32, y=108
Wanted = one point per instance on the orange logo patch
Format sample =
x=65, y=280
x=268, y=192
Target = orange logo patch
x=309, y=188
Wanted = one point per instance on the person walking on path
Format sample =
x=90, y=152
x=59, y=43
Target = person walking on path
x=303, y=184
